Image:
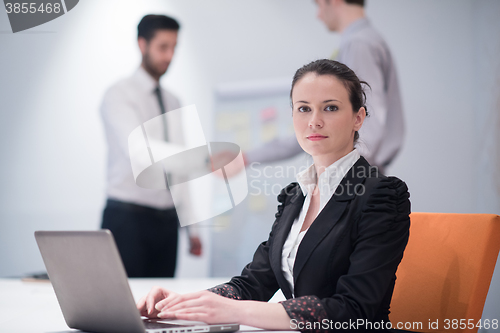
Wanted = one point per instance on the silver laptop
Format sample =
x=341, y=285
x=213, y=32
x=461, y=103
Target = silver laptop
x=91, y=285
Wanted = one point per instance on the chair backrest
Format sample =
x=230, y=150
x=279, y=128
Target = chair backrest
x=446, y=271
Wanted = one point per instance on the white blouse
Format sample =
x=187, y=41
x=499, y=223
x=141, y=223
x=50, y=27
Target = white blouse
x=307, y=179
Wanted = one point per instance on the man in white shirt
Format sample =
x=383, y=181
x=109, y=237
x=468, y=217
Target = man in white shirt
x=364, y=51
x=144, y=222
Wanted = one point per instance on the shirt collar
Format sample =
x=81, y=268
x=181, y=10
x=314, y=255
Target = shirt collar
x=145, y=80
x=332, y=175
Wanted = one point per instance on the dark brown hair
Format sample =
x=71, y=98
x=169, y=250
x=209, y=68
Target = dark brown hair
x=351, y=82
x=151, y=23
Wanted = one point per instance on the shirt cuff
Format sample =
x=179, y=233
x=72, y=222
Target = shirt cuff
x=305, y=311
x=226, y=290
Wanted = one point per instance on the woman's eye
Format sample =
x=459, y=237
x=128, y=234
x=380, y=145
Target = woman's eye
x=303, y=109
x=331, y=108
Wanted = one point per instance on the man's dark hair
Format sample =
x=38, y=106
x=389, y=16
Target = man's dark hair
x=151, y=23
x=356, y=2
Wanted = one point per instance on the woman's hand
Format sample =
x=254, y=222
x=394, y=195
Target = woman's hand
x=146, y=305
x=215, y=309
x=212, y=309
x=200, y=306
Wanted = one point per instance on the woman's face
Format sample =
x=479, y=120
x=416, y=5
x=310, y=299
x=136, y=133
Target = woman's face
x=323, y=118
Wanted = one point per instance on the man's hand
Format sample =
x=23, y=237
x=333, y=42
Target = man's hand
x=228, y=161
x=195, y=245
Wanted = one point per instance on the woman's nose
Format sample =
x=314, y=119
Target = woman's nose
x=316, y=121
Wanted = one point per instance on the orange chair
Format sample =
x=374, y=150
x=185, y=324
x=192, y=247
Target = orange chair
x=445, y=272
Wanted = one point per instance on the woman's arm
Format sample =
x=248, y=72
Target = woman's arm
x=211, y=308
x=257, y=280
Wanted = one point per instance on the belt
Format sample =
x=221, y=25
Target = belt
x=134, y=207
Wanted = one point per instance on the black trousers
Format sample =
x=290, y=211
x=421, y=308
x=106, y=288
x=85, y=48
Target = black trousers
x=146, y=237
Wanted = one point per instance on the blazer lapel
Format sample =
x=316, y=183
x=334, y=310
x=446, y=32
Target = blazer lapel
x=290, y=213
x=330, y=214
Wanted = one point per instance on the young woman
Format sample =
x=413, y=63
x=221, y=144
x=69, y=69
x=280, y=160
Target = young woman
x=339, y=233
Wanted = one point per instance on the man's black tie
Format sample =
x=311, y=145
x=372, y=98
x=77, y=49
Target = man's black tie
x=165, y=130
x=162, y=109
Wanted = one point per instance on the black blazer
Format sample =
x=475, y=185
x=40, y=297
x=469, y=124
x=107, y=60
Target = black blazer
x=348, y=258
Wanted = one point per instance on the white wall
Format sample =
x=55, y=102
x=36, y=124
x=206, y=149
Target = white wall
x=52, y=78
x=431, y=42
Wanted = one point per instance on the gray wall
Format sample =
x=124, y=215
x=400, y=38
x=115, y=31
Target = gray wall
x=52, y=78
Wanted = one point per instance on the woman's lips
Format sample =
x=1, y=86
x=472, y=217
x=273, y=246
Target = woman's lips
x=316, y=137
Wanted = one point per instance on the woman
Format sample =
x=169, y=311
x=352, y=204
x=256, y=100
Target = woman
x=339, y=233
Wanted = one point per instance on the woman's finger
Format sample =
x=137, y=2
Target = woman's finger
x=150, y=302
x=166, y=303
x=190, y=303
x=199, y=310
x=193, y=316
x=153, y=297
x=141, y=306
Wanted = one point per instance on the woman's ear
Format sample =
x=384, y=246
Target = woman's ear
x=359, y=118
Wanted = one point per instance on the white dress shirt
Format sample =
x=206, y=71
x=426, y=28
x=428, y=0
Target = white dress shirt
x=126, y=105
x=328, y=182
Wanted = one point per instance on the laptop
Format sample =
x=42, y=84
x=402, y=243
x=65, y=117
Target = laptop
x=92, y=288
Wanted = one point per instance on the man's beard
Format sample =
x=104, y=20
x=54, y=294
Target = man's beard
x=151, y=68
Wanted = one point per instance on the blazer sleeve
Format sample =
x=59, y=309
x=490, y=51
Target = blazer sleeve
x=382, y=230
x=257, y=280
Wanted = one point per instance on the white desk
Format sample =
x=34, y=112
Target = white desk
x=32, y=307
